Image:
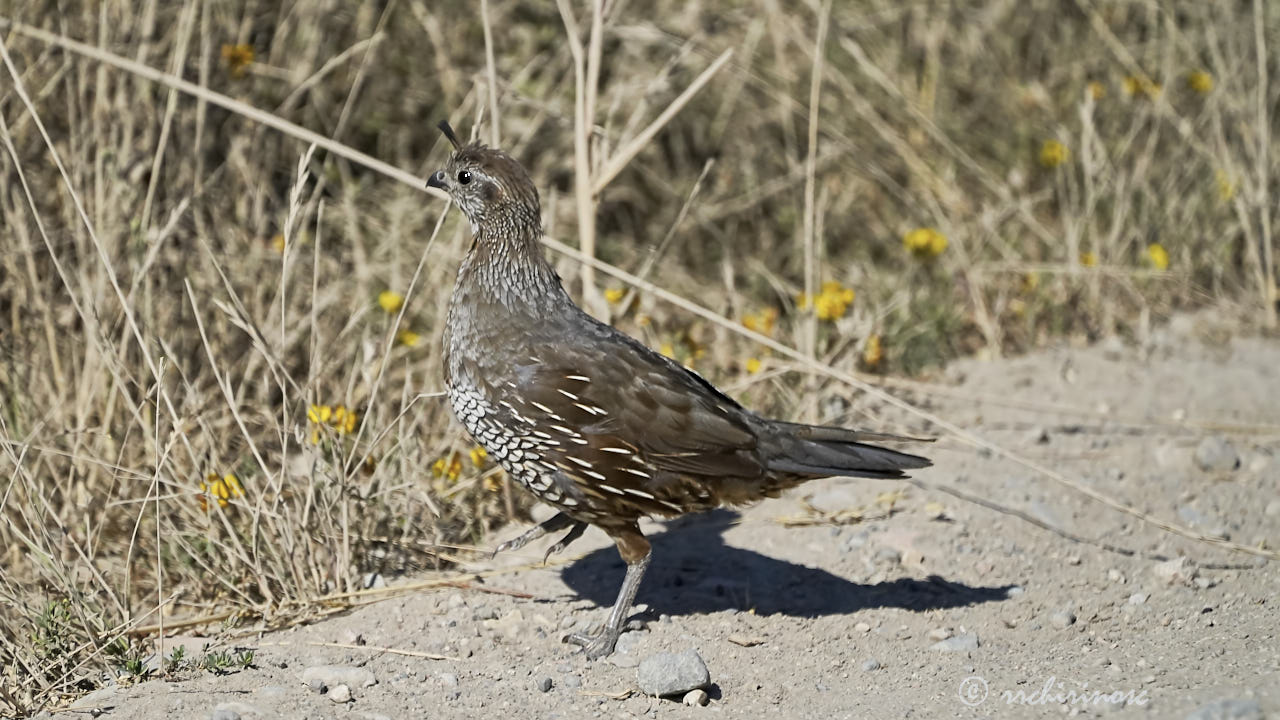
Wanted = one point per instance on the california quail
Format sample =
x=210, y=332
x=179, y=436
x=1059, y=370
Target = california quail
x=588, y=419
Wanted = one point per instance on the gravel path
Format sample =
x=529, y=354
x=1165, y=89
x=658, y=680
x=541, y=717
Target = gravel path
x=918, y=606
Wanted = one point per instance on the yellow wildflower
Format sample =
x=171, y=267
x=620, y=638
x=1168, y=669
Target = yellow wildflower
x=668, y=349
x=1053, y=154
x=925, y=243
x=220, y=489
x=319, y=414
x=344, y=420
x=1200, y=81
x=833, y=301
x=478, y=454
x=761, y=322
x=614, y=295
x=338, y=417
x=1088, y=259
x=238, y=58
x=1030, y=281
x=408, y=338
x=1135, y=86
x=753, y=366
x=439, y=467
x=873, y=353
x=1226, y=187
x=1158, y=256
x=390, y=301
x=455, y=468
x=1097, y=90
x=277, y=242
x=493, y=483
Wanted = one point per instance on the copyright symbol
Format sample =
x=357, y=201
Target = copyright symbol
x=973, y=690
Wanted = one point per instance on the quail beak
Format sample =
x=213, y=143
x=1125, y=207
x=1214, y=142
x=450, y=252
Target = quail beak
x=437, y=180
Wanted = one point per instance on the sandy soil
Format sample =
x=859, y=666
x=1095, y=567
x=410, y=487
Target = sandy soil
x=878, y=617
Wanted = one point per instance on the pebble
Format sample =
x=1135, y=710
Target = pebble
x=448, y=679
x=1137, y=598
x=1229, y=709
x=870, y=665
x=939, y=634
x=543, y=684
x=888, y=555
x=697, y=697
x=320, y=677
x=1062, y=619
x=854, y=541
x=862, y=627
x=1174, y=572
x=628, y=641
x=221, y=713
x=1273, y=508
x=1015, y=591
x=484, y=612
x=960, y=643
x=672, y=673
x=572, y=681
x=339, y=694
x=1215, y=454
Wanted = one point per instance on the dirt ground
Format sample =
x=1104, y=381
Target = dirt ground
x=935, y=609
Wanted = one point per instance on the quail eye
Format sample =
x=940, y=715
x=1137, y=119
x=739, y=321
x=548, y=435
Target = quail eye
x=464, y=177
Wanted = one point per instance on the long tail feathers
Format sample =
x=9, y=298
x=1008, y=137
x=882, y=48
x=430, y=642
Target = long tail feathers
x=817, y=450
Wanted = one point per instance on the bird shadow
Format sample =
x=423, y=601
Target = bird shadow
x=694, y=571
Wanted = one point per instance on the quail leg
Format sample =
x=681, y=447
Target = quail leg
x=559, y=521
x=574, y=533
x=635, y=551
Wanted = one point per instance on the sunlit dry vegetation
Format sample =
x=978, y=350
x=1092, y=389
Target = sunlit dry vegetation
x=218, y=348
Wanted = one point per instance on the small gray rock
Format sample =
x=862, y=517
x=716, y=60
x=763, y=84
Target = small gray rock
x=572, y=682
x=888, y=555
x=1229, y=709
x=543, y=684
x=960, y=643
x=1137, y=598
x=484, y=612
x=448, y=679
x=339, y=694
x=871, y=665
x=224, y=714
x=1273, y=509
x=1062, y=619
x=628, y=641
x=672, y=673
x=696, y=698
x=1174, y=572
x=1215, y=454
x=854, y=541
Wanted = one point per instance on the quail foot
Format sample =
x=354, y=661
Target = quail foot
x=588, y=419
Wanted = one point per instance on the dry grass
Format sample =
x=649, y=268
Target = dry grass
x=179, y=284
